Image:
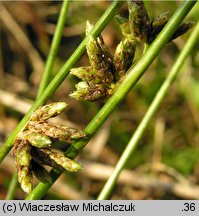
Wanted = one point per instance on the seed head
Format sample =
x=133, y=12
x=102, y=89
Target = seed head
x=55, y=159
x=99, y=55
x=89, y=91
x=22, y=161
x=123, y=57
x=36, y=139
x=87, y=74
x=61, y=132
x=156, y=26
x=22, y=152
x=184, y=27
x=48, y=111
x=25, y=178
x=138, y=19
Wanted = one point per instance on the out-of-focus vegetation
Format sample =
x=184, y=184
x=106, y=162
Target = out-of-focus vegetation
x=167, y=157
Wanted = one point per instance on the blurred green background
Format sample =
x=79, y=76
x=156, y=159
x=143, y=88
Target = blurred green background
x=165, y=165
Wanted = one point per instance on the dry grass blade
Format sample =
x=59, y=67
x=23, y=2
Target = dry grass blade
x=102, y=172
x=22, y=39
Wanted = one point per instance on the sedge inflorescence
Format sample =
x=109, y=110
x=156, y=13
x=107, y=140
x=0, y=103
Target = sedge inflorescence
x=100, y=79
x=32, y=147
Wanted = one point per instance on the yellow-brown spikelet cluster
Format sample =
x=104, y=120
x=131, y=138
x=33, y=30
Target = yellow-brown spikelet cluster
x=32, y=147
x=100, y=78
x=142, y=29
x=105, y=71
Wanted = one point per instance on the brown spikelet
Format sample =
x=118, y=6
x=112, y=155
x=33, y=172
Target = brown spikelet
x=61, y=132
x=55, y=159
x=23, y=157
x=48, y=111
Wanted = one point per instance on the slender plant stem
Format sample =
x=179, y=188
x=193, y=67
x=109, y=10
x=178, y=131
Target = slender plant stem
x=46, y=76
x=54, y=48
x=12, y=187
x=62, y=74
x=134, y=74
x=107, y=189
x=132, y=77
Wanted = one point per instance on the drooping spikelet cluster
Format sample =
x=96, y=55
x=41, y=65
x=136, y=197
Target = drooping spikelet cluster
x=101, y=77
x=32, y=147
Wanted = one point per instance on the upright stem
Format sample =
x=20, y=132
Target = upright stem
x=59, y=78
x=132, y=77
x=134, y=74
x=12, y=187
x=54, y=48
x=107, y=189
x=46, y=76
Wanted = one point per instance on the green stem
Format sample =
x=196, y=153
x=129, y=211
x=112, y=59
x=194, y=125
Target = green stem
x=46, y=76
x=59, y=78
x=134, y=74
x=12, y=187
x=132, y=77
x=107, y=189
x=54, y=48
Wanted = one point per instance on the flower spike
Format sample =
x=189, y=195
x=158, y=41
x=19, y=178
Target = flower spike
x=48, y=111
x=138, y=19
